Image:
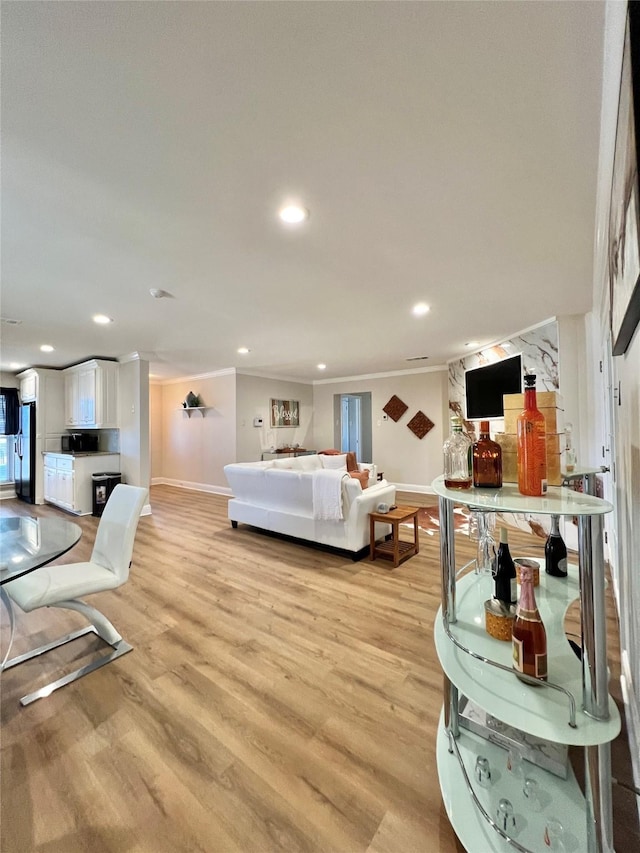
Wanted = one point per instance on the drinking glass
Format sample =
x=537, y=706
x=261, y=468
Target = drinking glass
x=531, y=791
x=554, y=835
x=514, y=762
x=505, y=817
x=483, y=771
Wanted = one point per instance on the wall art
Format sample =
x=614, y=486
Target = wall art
x=285, y=413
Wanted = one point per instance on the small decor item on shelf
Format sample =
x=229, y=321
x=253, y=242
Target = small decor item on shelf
x=504, y=815
x=457, y=474
x=531, y=791
x=192, y=401
x=505, y=586
x=529, y=635
x=555, y=551
x=534, y=565
x=532, y=448
x=487, y=460
x=498, y=619
x=569, y=451
x=483, y=771
x=486, y=553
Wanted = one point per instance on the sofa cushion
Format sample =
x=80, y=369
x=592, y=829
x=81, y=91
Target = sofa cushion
x=308, y=463
x=336, y=463
x=283, y=464
x=362, y=476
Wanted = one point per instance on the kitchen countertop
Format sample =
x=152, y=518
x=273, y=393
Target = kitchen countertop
x=83, y=453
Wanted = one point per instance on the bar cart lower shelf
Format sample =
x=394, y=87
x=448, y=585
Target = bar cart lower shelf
x=561, y=799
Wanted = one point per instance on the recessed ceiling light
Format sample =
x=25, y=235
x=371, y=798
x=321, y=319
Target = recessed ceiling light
x=243, y=350
x=322, y=367
x=293, y=214
x=102, y=319
x=473, y=344
x=46, y=348
x=420, y=309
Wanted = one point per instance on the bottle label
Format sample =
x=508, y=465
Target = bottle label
x=541, y=665
x=514, y=590
x=562, y=565
x=518, y=655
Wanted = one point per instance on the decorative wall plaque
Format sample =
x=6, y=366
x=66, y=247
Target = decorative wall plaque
x=420, y=424
x=395, y=408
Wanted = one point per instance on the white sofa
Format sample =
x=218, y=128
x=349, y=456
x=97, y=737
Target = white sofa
x=278, y=496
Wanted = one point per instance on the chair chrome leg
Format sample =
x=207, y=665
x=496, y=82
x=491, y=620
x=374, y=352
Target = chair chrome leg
x=12, y=622
x=41, y=650
x=120, y=649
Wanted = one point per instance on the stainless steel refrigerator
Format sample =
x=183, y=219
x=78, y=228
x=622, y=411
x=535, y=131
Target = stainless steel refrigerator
x=25, y=454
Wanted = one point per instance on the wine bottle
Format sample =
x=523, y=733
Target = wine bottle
x=505, y=585
x=555, y=551
x=529, y=635
x=456, y=457
x=487, y=460
x=532, y=444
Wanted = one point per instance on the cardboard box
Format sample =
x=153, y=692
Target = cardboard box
x=510, y=468
x=549, y=403
x=509, y=442
x=547, y=754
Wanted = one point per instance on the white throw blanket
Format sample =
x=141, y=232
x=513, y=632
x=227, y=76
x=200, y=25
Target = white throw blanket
x=327, y=494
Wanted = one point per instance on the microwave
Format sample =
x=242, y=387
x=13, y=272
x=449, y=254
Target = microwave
x=79, y=442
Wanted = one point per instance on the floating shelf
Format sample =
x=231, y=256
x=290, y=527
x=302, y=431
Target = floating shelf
x=201, y=409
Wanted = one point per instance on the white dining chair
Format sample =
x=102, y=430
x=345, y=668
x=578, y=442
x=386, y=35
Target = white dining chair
x=61, y=585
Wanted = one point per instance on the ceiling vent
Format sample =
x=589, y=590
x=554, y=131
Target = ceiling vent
x=7, y=321
x=417, y=358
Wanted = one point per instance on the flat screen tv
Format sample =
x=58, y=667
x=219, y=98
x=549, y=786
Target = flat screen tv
x=484, y=387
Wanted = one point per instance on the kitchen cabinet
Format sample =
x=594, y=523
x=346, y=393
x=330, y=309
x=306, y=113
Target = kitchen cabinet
x=91, y=394
x=29, y=386
x=572, y=707
x=67, y=478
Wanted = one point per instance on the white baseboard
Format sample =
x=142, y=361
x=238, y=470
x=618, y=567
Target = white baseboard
x=414, y=487
x=7, y=491
x=195, y=487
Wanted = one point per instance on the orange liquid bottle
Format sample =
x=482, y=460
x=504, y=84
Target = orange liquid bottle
x=532, y=444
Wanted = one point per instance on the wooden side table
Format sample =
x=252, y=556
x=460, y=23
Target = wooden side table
x=394, y=549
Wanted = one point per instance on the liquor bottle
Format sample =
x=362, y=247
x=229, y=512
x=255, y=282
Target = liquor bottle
x=487, y=460
x=456, y=457
x=529, y=635
x=505, y=585
x=555, y=551
x=532, y=445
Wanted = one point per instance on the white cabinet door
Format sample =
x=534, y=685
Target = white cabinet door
x=29, y=388
x=72, y=399
x=66, y=497
x=50, y=484
x=87, y=395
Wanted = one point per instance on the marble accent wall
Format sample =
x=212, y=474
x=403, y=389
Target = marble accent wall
x=539, y=350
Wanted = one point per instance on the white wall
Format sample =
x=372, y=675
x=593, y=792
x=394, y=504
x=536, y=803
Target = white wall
x=406, y=460
x=195, y=446
x=625, y=374
x=133, y=414
x=155, y=430
x=253, y=394
x=9, y=380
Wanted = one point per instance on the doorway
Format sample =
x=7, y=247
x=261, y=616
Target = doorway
x=352, y=420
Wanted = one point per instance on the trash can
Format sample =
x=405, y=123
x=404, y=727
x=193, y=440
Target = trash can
x=103, y=484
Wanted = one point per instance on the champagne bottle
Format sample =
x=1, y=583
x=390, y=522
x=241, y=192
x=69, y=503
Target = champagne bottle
x=505, y=585
x=532, y=444
x=456, y=457
x=487, y=460
x=555, y=551
x=529, y=635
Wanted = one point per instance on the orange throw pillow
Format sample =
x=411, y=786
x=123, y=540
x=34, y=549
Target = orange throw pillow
x=363, y=476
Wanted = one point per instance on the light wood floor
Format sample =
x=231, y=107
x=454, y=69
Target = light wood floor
x=279, y=698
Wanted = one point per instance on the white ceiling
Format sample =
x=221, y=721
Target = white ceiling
x=447, y=152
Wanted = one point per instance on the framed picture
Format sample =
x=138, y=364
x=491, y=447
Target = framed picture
x=624, y=215
x=285, y=413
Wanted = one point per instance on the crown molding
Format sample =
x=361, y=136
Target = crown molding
x=388, y=374
x=227, y=371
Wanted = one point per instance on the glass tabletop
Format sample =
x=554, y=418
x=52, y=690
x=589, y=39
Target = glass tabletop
x=28, y=543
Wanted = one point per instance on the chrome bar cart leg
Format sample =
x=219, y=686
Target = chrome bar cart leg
x=595, y=697
x=448, y=560
x=451, y=720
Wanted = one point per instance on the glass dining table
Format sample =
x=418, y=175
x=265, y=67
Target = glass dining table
x=26, y=544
